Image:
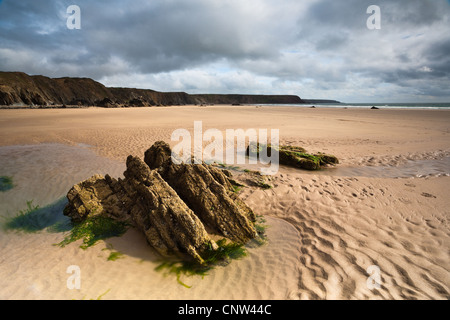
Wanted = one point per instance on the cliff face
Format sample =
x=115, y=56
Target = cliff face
x=321, y=101
x=20, y=88
x=246, y=99
x=146, y=97
x=17, y=88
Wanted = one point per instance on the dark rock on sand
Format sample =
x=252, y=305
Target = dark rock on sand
x=172, y=204
x=145, y=200
x=137, y=102
x=207, y=191
x=295, y=156
x=106, y=103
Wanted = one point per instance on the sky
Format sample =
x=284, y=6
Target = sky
x=316, y=49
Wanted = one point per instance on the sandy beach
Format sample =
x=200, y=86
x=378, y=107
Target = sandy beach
x=325, y=229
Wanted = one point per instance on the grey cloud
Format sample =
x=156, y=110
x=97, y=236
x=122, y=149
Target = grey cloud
x=402, y=13
x=333, y=41
x=287, y=41
x=439, y=51
x=413, y=13
x=174, y=36
x=350, y=15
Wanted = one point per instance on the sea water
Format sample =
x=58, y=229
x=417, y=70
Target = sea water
x=44, y=173
x=411, y=106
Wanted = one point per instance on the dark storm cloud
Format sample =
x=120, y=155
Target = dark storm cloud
x=347, y=13
x=257, y=45
x=332, y=42
x=153, y=36
x=413, y=13
x=174, y=35
x=439, y=52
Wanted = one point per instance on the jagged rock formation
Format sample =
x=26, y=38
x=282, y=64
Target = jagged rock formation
x=17, y=88
x=295, y=156
x=207, y=191
x=173, y=213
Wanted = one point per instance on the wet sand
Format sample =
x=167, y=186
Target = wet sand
x=325, y=230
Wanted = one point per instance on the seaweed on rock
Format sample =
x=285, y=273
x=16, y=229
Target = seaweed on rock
x=94, y=228
x=294, y=156
x=177, y=207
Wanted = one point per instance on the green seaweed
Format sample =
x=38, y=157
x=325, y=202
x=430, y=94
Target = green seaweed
x=295, y=156
x=212, y=258
x=179, y=268
x=225, y=251
x=34, y=218
x=6, y=183
x=93, y=229
x=114, y=255
x=260, y=227
x=103, y=294
x=235, y=188
x=264, y=185
x=307, y=156
x=228, y=166
x=99, y=297
x=327, y=159
x=223, y=255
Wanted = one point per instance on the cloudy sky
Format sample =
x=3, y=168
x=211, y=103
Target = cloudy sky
x=311, y=48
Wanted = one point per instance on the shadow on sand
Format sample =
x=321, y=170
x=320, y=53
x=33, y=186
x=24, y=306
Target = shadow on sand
x=34, y=218
x=51, y=219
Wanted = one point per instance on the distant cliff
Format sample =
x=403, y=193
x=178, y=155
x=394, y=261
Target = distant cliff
x=246, y=99
x=17, y=88
x=320, y=101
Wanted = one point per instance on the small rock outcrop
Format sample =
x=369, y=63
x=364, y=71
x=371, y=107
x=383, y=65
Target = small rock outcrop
x=295, y=156
x=177, y=206
x=105, y=103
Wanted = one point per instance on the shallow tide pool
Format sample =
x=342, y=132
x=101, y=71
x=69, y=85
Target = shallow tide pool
x=44, y=173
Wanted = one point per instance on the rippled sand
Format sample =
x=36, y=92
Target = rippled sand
x=325, y=230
